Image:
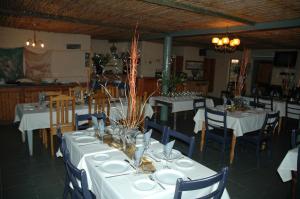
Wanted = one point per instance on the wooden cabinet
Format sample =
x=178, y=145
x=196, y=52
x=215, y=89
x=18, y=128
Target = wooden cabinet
x=10, y=96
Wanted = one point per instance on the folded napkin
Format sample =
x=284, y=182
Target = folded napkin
x=147, y=138
x=98, y=125
x=139, y=152
x=168, y=148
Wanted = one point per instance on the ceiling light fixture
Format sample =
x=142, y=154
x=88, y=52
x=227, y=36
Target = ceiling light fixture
x=225, y=44
x=34, y=42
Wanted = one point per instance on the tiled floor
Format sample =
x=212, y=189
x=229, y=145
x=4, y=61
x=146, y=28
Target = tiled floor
x=42, y=177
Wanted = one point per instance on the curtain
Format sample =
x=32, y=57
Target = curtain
x=37, y=65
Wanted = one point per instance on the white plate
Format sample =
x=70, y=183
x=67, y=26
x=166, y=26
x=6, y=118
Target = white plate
x=144, y=185
x=77, y=133
x=101, y=157
x=168, y=176
x=184, y=163
x=85, y=139
x=174, y=155
x=115, y=166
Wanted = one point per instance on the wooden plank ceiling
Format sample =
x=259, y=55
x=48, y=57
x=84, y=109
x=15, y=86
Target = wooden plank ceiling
x=116, y=19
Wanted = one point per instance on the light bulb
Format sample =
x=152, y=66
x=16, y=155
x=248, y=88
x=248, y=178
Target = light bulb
x=232, y=44
x=42, y=45
x=33, y=44
x=27, y=43
x=220, y=43
x=225, y=40
x=236, y=41
x=215, y=40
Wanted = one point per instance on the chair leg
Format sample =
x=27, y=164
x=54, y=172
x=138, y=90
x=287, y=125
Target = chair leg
x=52, y=145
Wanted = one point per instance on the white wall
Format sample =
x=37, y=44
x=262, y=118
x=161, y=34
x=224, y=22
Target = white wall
x=66, y=65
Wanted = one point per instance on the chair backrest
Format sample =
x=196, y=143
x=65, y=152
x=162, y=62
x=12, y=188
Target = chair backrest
x=190, y=141
x=60, y=107
x=157, y=128
x=78, y=93
x=113, y=91
x=292, y=110
x=267, y=101
x=271, y=121
x=49, y=94
x=191, y=185
x=87, y=118
x=256, y=104
x=295, y=138
x=199, y=103
x=77, y=176
x=215, y=119
x=98, y=103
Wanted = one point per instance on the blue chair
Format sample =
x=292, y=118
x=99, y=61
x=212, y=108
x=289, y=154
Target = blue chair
x=63, y=148
x=267, y=101
x=296, y=179
x=264, y=135
x=199, y=103
x=216, y=130
x=75, y=175
x=87, y=118
x=295, y=138
x=191, y=185
x=190, y=141
x=157, y=128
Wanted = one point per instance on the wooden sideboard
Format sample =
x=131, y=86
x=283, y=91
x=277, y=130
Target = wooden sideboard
x=11, y=95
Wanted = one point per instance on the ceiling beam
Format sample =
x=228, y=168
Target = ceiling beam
x=25, y=13
x=284, y=24
x=198, y=10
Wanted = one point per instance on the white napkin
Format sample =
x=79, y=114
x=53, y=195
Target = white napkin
x=98, y=125
x=168, y=148
x=147, y=137
x=139, y=151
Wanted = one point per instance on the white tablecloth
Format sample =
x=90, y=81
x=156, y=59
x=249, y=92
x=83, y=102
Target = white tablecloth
x=32, y=116
x=106, y=187
x=288, y=164
x=240, y=122
x=180, y=103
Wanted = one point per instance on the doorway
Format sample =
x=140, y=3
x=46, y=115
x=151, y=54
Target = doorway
x=262, y=75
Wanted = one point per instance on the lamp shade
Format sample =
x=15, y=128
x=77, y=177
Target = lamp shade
x=215, y=40
x=236, y=41
x=225, y=40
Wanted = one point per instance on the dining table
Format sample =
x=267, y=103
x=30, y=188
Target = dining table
x=241, y=122
x=112, y=174
x=178, y=103
x=288, y=164
x=34, y=116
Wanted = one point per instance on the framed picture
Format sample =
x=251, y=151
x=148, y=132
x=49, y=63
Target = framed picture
x=192, y=65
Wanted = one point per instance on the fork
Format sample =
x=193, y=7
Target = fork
x=151, y=178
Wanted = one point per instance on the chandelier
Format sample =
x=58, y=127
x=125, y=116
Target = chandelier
x=34, y=42
x=225, y=44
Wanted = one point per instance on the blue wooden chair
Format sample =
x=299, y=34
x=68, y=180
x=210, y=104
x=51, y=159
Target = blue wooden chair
x=216, y=130
x=76, y=175
x=190, y=141
x=199, y=103
x=157, y=128
x=87, y=118
x=267, y=101
x=264, y=135
x=296, y=179
x=63, y=148
x=295, y=138
x=191, y=185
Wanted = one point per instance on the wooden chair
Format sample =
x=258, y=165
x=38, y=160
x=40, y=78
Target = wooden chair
x=113, y=91
x=156, y=128
x=43, y=132
x=62, y=114
x=78, y=93
x=190, y=141
x=190, y=185
x=99, y=103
